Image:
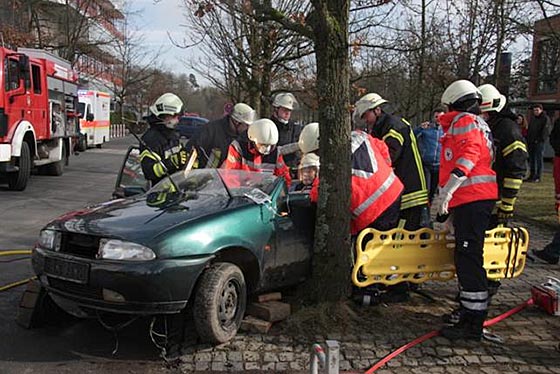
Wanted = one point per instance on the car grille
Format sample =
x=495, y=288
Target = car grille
x=79, y=244
x=75, y=288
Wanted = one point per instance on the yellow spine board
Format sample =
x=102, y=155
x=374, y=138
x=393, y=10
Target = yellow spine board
x=398, y=255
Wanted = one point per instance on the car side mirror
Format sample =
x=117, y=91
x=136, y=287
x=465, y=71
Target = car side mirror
x=90, y=117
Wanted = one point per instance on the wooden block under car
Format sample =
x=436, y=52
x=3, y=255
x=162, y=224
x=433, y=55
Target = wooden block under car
x=252, y=324
x=28, y=302
x=271, y=311
x=273, y=296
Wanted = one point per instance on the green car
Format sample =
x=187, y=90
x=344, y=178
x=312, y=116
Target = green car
x=208, y=238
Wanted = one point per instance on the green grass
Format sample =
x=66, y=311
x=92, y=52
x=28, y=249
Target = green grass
x=536, y=202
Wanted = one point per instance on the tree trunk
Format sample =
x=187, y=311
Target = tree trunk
x=331, y=263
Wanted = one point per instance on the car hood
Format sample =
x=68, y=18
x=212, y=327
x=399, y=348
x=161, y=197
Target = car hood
x=134, y=220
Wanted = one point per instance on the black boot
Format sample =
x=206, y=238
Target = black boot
x=469, y=327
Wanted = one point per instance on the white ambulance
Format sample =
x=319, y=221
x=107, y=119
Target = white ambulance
x=94, y=109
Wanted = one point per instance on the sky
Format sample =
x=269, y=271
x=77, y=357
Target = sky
x=154, y=21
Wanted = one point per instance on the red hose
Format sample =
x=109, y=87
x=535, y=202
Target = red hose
x=430, y=335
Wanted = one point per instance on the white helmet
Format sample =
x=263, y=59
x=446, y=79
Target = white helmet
x=492, y=99
x=460, y=91
x=263, y=131
x=367, y=102
x=284, y=100
x=309, y=159
x=167, y=103
x=243, y=113
x=309, y=138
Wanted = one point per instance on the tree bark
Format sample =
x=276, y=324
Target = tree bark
x=331, y=263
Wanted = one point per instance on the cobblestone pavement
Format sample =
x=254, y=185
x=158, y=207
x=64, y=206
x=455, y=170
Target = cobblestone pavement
x=531, y=337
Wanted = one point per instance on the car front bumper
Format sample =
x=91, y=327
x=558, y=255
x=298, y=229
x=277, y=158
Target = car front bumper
x=140, y=288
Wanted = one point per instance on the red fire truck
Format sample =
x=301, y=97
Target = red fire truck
x=38, y=114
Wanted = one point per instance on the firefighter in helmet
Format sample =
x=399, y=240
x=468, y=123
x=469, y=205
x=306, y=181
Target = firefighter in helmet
x=256, y=150
x=288, y=131
x=213, y=141
x=397, y=133
x=466, y=197
x=161, y=152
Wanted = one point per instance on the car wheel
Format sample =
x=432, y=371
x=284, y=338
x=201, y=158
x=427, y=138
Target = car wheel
x=220, y=301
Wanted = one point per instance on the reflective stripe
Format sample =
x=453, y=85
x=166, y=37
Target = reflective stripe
x=172, y=151
x=463, y=130
x=513, y=146
x=214, y=159
x=394, y=134
x=512, y=183
x=413, y=195
x=474, y=305
x=413, y=203
x=478, y=124
x=474, y=295
x=159, y=171
x=506, y=207
x=232, y=158
x=417, y=159
x=466, y=163
x=376, y=195
x=151, y=155
x=235, y=144
x=479, y=179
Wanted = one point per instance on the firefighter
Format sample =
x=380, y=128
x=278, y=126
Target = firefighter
x=214, y=139
x=407, y=162
x=376, y=190
x=256, y=150
x=161, y=152
x=308, y=172
x=467, y=193
x=288, y=131
x=510, y=158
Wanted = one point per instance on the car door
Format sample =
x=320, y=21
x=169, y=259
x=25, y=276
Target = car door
x=130, y=180
x=294, y=225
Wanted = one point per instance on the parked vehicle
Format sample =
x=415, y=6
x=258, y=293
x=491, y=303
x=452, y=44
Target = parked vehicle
x=94, y=108
x=209, y=239
x=190, y=126
x=38, y=114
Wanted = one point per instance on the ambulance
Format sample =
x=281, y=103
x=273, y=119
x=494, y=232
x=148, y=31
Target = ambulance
x=94, y=109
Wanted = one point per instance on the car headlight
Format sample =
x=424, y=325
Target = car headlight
x=114, y=249
x=49, y=239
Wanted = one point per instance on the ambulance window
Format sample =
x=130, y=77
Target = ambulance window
x=11, y=72
x=36, y=75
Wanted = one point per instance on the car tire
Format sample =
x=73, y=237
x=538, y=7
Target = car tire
x=219, y=303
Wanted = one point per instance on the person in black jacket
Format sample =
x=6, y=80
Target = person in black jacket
x=405, y=157
x=555, y=143
x=539, y=128
x=510, y=150
x=213, y=141
x=288, y=131
x=161, y=152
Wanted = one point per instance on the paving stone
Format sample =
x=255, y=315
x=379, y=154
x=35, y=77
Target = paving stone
x=218, y=366
x=235, y=356
x=286, y=356
x=252, y=366
x=250, y=356
x=270, y=357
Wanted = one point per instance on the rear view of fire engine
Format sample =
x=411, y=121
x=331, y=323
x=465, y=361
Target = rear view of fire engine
x=38, y=114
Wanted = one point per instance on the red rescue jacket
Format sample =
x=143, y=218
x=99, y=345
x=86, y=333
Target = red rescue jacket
x=242, y=155
x=374, y=184
x=467, y=145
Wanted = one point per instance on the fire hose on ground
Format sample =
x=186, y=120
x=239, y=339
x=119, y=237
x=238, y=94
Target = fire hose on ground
x=15, y=252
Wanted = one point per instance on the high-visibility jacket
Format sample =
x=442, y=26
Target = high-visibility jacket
x=510, y=163
x=164, y=148
x=467, y=145
x=242, y=155
x=374, y=184
x=406, y=159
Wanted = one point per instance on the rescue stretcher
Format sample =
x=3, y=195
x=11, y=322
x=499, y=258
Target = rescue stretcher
x=398, y=255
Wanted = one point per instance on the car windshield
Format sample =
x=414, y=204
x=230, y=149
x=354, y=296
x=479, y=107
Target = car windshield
x=218, y=182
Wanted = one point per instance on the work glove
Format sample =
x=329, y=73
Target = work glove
x=445, y=224
x=179, y=159
x=441, y=202
x=504, y=212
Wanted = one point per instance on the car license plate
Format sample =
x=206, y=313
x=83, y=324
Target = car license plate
x=68, y=270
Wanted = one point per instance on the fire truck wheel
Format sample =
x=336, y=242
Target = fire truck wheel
x=57, y=168
x=18, y=181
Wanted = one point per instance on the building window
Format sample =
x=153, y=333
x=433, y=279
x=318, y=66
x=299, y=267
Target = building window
x=549, y=66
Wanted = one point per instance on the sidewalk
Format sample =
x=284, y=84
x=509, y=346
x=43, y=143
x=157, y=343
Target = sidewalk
x=530, y=337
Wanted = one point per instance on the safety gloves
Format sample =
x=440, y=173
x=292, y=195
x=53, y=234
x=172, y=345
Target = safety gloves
x=178, y=160
x=441, y=202
x=504, y=212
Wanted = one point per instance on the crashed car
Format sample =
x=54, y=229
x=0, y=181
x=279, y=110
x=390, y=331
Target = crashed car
x=206, y=238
